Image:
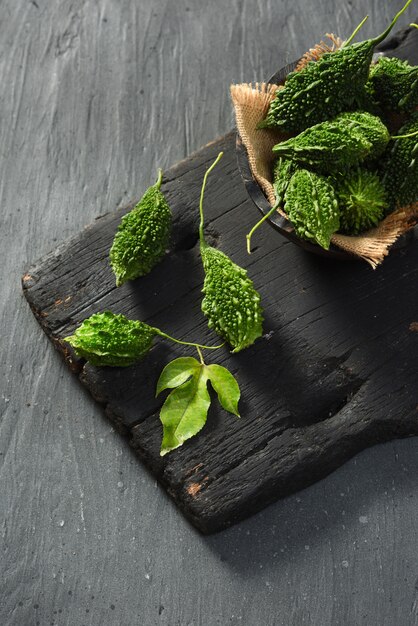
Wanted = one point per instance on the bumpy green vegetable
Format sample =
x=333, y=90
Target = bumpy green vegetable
x=335, y=145
x=325, y=87
x=230, y=303
x=394, y=85
x=142, y=236
x=371, y=127
x=106, y=339
x=312, y=207
x=362, y=201
x=400, y=167
x=114, y=340
x=282, y=173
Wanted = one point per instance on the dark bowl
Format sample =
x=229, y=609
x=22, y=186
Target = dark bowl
x=277, y=221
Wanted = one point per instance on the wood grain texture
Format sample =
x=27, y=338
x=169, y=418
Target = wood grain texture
x=78, y=138
x=334, y=372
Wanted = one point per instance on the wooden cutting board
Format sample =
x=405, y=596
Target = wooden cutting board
x=336, y=370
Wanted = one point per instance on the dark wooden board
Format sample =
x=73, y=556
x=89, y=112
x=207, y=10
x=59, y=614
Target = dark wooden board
x=334, y=373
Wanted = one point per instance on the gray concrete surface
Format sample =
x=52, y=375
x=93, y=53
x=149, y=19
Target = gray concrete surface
x=94, y=96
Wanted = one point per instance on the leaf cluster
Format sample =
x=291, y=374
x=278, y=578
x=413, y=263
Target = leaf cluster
x=185, y=409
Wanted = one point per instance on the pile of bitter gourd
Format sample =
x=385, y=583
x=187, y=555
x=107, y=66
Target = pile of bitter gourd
x=342, y=170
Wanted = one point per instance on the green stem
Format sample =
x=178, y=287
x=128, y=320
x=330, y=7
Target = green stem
x=254, y=228
x=349, y=40
x=200, y=355
x=160, y=178
x=187, y=343
x=405, y=136
x=383, y=36
x=201, y=235
x=385, y=33
x=414, y=25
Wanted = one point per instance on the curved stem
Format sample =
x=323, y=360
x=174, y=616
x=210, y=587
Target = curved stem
x=414, y=25
x=383, y=36
x=160, y=178
x=350, y=39
x=405, y=136
x=385, y=33
x=187, y=343
x=254, y=228
x=201, y=235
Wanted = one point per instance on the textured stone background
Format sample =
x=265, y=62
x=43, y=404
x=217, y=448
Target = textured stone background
x=94, y=95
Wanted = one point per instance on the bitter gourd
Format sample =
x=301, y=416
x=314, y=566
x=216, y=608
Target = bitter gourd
x=142, y=236
x=394, y=85
x=371, y=127
x=361, y=199
x=282, y=173
x=231, y=303
x=106, y=339
x=337, y=144
x=399, y=168
x=312, y=207
x=324, y=88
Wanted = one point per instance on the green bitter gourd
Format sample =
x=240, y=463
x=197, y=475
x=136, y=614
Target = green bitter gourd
x=337, y=144
x=393, y=84
x=399, y=168
x=312, y=207
x=325, y=87
x=108, y=339
x=371, y=127
x=361, y=199
x=282, y=173
x=142, y=236
x=231, y=303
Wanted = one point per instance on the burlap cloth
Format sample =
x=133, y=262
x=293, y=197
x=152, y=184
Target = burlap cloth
x=251, y=103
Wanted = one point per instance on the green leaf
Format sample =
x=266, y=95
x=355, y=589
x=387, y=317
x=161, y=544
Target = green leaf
x=225, y=386
x=184, y=411
x=177, y=372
